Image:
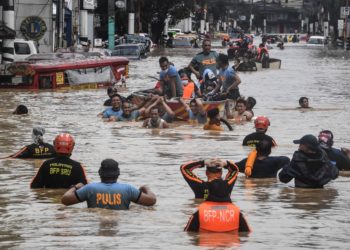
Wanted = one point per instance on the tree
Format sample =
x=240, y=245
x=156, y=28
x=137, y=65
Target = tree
x=155, y=12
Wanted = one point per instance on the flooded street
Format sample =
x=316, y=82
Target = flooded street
x=280, y=216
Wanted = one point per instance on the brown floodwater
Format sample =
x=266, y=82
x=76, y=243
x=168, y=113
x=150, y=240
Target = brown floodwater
x=281, y=216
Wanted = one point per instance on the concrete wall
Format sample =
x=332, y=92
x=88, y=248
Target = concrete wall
x=40, y=8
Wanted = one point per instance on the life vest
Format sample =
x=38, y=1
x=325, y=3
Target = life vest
x=188, y=90
x=250, y=163
x=218, y=216
x=213, y=127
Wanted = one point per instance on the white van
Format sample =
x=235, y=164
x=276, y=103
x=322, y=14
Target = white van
x=317, y=41
x=23, y=49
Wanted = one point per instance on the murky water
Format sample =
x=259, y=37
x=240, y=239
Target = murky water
x=280, y=216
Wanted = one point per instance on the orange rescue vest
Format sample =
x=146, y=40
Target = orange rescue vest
x=213, y=127
x=188, y=90
x=218, y=216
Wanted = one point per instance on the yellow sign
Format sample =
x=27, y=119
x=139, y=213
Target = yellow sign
x=59, y=78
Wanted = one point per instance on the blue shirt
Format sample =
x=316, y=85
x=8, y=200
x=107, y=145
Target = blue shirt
x=108, y=195
x=172, y=72
x=202, y=119
x=110, y=112
x=133, y=116
x=226, y=77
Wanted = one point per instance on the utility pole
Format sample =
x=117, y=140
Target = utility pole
x=251, y=17
x=264, y=16
x=59, y=22
x=131, y=23
x=347, y=30
x=111, y=24
x=9, y=20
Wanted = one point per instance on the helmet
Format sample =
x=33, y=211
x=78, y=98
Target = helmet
x=64, y=143
x=262, y=122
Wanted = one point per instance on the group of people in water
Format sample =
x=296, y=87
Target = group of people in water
x=313, y=165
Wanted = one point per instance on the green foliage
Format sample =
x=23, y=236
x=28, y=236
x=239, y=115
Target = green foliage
x=157, y=11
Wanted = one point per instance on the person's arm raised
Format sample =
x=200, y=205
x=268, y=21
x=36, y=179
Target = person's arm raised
x=147, y=197
x=70, y=197
x=167, y=108
x=184, y=103
x=148, y=109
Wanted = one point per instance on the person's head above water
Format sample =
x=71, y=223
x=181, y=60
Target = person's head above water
x=308, y=144
x=206, y=46
x=214, y=114
x=37, y=135
x=325, y=138
x=241, y=106
x=64, y=144
x=20, y=110
x=222, y=61
x=263, y=148
x=111, y=91
x=109, y=171
x=261, y=124
x=304, y=102
x=213, y=169
x=251, y=102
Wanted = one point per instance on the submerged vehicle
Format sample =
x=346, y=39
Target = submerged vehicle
x=131, y=51
x=181, y=43
x=316, y=41
x=250, y=65
x=67, y=72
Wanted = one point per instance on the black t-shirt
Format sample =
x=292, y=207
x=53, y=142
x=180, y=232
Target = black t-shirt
x=200, y=187
x=60, y=172
x=35, y=151
x=254, y=138
x=266, y=168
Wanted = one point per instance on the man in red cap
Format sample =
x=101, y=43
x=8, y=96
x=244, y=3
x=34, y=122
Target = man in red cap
x=261, y=124
x=310, y=166
x=61, y=171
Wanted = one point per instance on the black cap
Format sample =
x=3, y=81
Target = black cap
x=109, y=169
x=218, y=191
x=308, y=140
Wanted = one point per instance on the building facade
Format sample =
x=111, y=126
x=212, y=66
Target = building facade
x=33, y=21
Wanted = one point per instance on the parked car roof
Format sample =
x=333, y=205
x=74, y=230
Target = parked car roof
x=181, y=43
